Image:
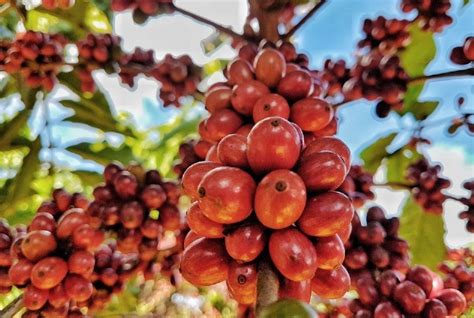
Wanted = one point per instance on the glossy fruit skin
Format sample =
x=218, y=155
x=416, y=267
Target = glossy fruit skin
x=201, y=224
x=239, y=71
x=270, y=66
x=20, y=272
x=322, y=171
x=454, y=301
x=245, y=95
x=330, y=251
x=226, y=195
x=329, y=130
x=331, y=284
x=242, y=282
x=217, y=99
x=43, y=221
x=77, y=287
x=34, y=298
x=212, y=155
x=232, y=151
x=293, y=254
x=326, y=214
x=125, y=184
x=271, y=105
x=153, y=196
x=190, y=237
x=38, y=244
x=410, y=297
x=295, y=290
x=387, y=310
x=131, y=215
x=311, y=114
x=81, y=262
x=246, y=242
x=205, y=262
x=69, y=221
x=222, y=123
x=331, y=144
x=273, y=143
x=296, y=85
x=58, y=296
x=193, y=176
x=435, y=308
x=421, y=276
x=280, y=199
x=48, y=272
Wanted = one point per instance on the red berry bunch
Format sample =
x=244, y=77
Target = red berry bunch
x=463, y=54
x=37, y=56
x=335, y=74
x=427, y=185
x=358, y=185
x=137, y=206
x=143, y=8
x=261, y=194
x=376, y=245
x=7, y=238
x=458, y=272
x=96, y=51
x=55, y=4
x=187, y=156
x=133, y=64
x=376, y=76
x=178, y=76
x=419, y=293
x=468, y=214
x=432, y=14
x=386, y=35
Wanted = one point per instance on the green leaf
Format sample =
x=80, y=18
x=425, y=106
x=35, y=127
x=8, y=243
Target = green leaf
x=214, y=66
x=8, y=86
x=419, y=53
x=103, y=153
x=89, y=177
x=19, y=187
x=9, y=130
x=420, y=110
x=213, y=42
x=288, y=308
x=96, y=20
x=465, y=3
x=424, y=233
x=398, y=163
x=374, y=154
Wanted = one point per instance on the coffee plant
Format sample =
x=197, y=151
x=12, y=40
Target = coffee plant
x=255, y=183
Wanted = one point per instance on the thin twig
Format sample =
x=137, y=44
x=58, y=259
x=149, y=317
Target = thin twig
x=468, y=72
x=215, y=25
x=12, y=308
x=393, y=185
x=303, y=20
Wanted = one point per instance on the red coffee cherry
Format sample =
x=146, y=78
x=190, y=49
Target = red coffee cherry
x=331, y=284
x=270, y=67
x=246, y=243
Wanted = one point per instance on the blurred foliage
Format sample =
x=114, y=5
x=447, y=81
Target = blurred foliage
x=288, y=308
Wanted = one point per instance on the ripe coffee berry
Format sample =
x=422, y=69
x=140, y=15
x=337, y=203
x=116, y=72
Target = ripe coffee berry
x=432, y=14
x=386, y=35
x=142, y=9
x=357, y=186
x=458, y=270
x=55, y=4
x=468, y=213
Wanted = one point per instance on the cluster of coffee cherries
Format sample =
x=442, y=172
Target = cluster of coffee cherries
x=419, y=293
x=358, y=186
x=133, y=64
x=37, y=56
x=427, y=185
x=432, y=14
x=376, y=245
x=96, y=51
x=54, y=260
x=376, y=76
x=464, y=54
x=187, y=156
x=458, y=270
x=468, y=213
x=142, y=9
x=178, y=76
x=137, y=206
x=263, y=194
x=8, y=235
x=386, y=35
x=334, y=75
x=57, y=4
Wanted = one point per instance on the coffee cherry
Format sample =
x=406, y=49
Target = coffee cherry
x=322, y=171
x=77, y=287
x=421, y=276
x=38, y=244
x=331, y=284
x=293, y=254
x=387, y=310
x=273, y=143
x=295, y=290
x=226, y=195
x=222, y=123
x=434, y=308
x=269, y=106
x=295, y=85
x=454, y=301
x=270, y=67
x=280, y=199
x=131, y=215
x=326, y=214
x=202, y=225
x=330, y=251
x=34, y=298
x=193, y=176
x=242, y=282
x=48, y=272
x=58, y=296
x=246, y=242
x=20, y=272
x=205, y=262
x=311, y=114
x=239, y=71
x=218, y=98
x=43, y=221
x=330, y=144
x=232, y=151
x=125, y=184
x=410, y=297
x=81, y=262
x=69, y=221
x=245, y=95
x=468, y=48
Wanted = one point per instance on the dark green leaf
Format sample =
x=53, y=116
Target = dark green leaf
x=89, y=177
x=374, y=154
x=398, y=162
x=419, y=53
x=424, y=233
x=420, y=110
x=465, y=3
x=288, y=308
x=19, y=187
x=103, y=153
x=9, y=130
